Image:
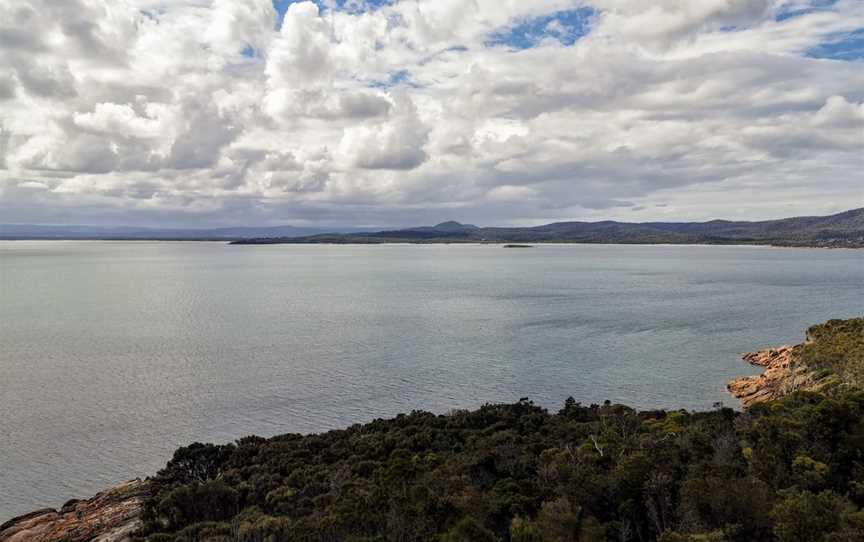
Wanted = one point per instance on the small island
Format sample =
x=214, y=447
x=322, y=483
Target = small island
x=518, y=246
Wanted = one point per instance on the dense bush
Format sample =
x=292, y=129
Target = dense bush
x=835, y=351
x=789, y=470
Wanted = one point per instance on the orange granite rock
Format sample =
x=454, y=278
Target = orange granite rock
x=111, y=516
x=782, y=375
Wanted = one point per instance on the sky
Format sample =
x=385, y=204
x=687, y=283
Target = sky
x=404, y=112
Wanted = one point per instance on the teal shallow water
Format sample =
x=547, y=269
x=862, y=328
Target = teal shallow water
x=112, y=354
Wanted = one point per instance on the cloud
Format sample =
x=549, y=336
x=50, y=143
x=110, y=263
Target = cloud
x=301, y=56
x=201, y=139
x=396, y=143
x=661, y=23
x=47, y=79
x=123, y=120
x=234, y=26
x=510, y=111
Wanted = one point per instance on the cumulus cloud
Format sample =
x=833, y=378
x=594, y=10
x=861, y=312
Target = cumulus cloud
x=217, y=111
x=396, y=143
x=240, y=26
x=123, y=120
x=663, y=22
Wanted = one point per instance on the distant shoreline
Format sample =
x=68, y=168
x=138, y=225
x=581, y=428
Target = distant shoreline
x=261, y=242
x=153, y=239
x=856, y=246
x=841, y=230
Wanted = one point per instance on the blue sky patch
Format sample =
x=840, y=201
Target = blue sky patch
x=565, y=26
x=846, y=46
x=351, y=6
x=401, y=77
x=788, y=12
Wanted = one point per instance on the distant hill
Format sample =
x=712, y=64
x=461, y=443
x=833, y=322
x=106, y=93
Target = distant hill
x=841, y=230
x=35, y=232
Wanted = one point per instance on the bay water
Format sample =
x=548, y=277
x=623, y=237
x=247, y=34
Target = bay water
x=113, y=354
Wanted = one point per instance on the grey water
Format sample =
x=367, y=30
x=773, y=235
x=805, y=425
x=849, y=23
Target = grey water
x=113, y=354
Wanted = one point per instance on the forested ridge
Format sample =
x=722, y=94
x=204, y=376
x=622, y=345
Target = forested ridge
x=786, y=470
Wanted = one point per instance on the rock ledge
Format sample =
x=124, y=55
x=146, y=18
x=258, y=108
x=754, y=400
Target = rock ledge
x=111, y=516
x=783, y=374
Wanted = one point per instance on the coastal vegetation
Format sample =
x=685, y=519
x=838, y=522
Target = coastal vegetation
x=834, y=353
x=830, y=360
x=786, y=470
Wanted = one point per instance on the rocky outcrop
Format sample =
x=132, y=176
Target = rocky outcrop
x=111, y=516
x=783, y=374
x=830, y=360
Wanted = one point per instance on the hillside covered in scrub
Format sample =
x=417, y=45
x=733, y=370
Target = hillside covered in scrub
x=789, y=470
x=830, y=360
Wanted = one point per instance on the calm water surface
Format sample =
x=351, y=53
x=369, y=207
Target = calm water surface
x=112, y=354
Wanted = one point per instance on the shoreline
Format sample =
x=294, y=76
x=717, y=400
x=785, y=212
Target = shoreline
x=112, y=515
x=255, y=242
x=115, y=514
x=825, y=362
x=259, y=242
x=780, y=375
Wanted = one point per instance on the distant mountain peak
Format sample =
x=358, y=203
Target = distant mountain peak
x=453, y=225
